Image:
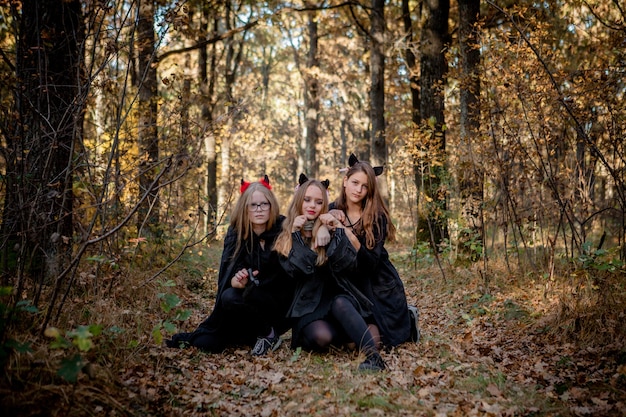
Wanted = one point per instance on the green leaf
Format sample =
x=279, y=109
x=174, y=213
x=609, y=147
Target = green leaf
x=157, y=335
x=25, y=305
x=60, y=343
x=170, y=301
x=80, y=332
x=6, y=290
x=115, y=330
x=84, y=345
x=95, y=329
x=182, y=315
x=18, y=347
x=169, y=327
x=70, y=368
x=82, y=337
x=467, y=317
x=97, y=258
x=168, y=283
x=296, y=354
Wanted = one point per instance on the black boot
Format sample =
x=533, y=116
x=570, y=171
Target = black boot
x=373, y=362
x=179, y=340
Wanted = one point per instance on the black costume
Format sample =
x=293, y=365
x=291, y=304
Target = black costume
x=379, y=280
x=318, y=287
x=241, y=315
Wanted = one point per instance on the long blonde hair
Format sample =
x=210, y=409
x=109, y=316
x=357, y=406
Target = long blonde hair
x=284, y=242
x=240, y=216
x=373, y=206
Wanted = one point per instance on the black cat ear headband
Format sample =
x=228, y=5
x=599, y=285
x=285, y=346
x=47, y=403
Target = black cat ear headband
x=303, y=178
x=353, y=160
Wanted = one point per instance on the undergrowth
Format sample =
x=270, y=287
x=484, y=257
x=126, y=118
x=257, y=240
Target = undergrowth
x=108, y=343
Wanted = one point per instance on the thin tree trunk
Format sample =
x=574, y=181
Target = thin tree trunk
x=378, y=143
x=414, y=82
x=311, y=101
x=207, y=72
x=470, y=172
x=433, y=70
x=148, y=213
x=411, y=63
x=234, y=56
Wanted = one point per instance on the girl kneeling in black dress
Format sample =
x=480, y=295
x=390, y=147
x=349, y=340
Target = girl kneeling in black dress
x=327, y=307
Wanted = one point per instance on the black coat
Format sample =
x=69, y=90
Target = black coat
x=316, y=286
x=379, y=280
x=273, y=281
x=270, y=299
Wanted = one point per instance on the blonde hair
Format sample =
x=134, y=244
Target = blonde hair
x=240, y=216
x=284, y=242
x=372, y=206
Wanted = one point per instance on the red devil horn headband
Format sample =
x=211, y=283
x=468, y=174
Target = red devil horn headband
x=265, y=181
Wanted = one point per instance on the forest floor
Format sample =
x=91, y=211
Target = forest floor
x=486, y=350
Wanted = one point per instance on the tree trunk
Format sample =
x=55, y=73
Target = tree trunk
x=414, y=82
x=234, y=55
x=411, y=63
x=378, y=144
x=433, y=69
x=470, y=172
x=148, y=213
x=311, y=101
x=37, y=218
x=207, y=86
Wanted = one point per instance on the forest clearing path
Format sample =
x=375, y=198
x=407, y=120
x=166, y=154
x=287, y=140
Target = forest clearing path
x=480, y=354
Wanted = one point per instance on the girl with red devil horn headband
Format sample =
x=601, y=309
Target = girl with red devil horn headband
x=254, y=292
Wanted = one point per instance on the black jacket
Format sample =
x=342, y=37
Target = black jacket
x=312, y=282
x=272, y=296
x=379, y=280
x=272, y=279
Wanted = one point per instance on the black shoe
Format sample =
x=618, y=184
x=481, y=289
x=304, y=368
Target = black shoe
x=414, y=316
x=179, y=340
x=265, y=344
x=373, y=362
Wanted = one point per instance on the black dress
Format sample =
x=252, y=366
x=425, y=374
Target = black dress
x=317, y=286
x=379, y=280
x=258, y=307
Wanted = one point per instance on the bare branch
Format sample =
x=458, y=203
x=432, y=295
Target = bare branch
x=7, y=60
x=221, y=37
x=564, y=102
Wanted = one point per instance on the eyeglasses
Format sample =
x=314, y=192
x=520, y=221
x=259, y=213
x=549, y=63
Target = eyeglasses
x=264, y=206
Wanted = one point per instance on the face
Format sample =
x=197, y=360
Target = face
x=258, y=209
x=356, y=187
x=313, y=202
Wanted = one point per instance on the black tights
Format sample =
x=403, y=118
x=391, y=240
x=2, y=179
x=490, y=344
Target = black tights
x=319, y=334
x=353, y=324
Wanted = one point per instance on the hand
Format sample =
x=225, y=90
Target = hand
x=298, y=222
x=240, y=279
x=338, y=214
x=322, y=237
x=330, y=221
